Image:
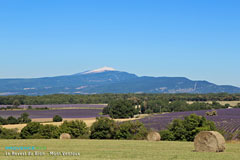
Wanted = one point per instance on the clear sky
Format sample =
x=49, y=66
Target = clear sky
x=198, y=39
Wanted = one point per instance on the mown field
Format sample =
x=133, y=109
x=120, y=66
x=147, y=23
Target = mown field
x=118, y=149
x=88, y=121
x=232, y=103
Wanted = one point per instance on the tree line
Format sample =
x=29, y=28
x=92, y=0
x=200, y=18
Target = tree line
x=106, y=128
x=106, y=98
x=103, y=128
x=12, y=120
x=127, y=108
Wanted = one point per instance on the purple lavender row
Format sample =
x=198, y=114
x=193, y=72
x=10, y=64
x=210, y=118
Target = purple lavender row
x=227, y=119
x=65, y=113
x=61, y=106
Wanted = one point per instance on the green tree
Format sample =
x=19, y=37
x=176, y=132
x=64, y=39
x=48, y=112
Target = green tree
x=178, y=106
x=186, y=130
x=29, y=108
x=178, y=130
x=24, y=118
x=103, y=128
x=30, y=130
x=167, y=135
x=8, y=133
x=105, y=110
x=3, y=121
x=77, y=129
x=49, y=131
x=57, y=118
x=121, y=109
x=16, y=103
x=131, y=130
x=12, y=120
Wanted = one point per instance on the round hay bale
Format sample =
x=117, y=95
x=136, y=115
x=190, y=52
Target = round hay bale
x=209, y=141
x=65, y=136
x=153, y=136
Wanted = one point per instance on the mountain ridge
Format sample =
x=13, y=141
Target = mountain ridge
x=108, y=80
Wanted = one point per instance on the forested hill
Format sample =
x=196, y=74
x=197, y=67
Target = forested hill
x=108, y=81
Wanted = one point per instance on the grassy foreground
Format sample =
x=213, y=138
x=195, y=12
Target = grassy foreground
x=117, y=149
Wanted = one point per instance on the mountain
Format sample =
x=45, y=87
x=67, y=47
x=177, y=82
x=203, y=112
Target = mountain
x=108, y=80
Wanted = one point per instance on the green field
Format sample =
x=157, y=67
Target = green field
x=117, y=149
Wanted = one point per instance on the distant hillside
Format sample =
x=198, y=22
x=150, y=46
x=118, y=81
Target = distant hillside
x=108, y=80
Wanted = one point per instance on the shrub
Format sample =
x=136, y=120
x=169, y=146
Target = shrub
x=167, y=135
x=24, y=118
x=57, y=118
x=12, y=120
x=105, y=110
x=29, y=130
x=131, y=130
x=238, y=105
x=29, y=107
x=77, y=129
x=103, y=128
x=186, y=130
x=41, y=108
x=16, y=103
x=49, y=131
x=8, y=133
x=148, y=111
x=3, y=121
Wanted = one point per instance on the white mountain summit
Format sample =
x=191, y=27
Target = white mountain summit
x=104, y=69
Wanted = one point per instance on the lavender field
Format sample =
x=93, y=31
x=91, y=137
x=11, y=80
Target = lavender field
x=227, y=119
x=61, y=106
x=65, y=113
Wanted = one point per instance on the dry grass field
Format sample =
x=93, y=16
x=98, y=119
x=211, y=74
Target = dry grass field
x=232, y=103
x=88, y=121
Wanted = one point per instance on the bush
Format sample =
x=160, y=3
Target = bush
x=187, y=129
x=148, y=111
x=57, y=118
x=29, y=107
x=12, y=120
x=131, y=130
x=167, y=135
x=24, y=118
x=3, y=121
x=29, y=130
x=8, y=133
x=105, y=110
x=49, y=131
x=16, y=103
x=77, y=129
x=41, y=108
x=120, y=109
x=238, y=105
x=103, y=128
x=35, y=130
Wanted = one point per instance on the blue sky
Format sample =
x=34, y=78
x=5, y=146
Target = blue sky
x=198, y=39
